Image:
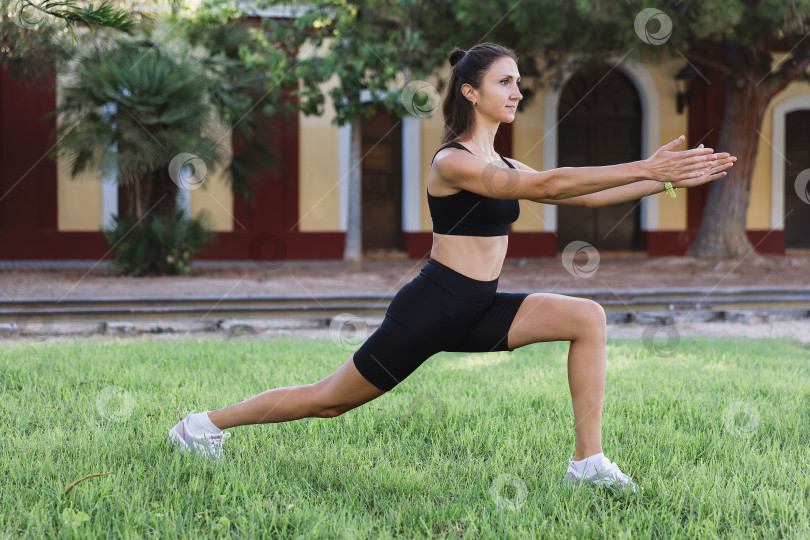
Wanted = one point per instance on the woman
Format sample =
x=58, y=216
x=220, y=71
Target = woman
x=452, y=305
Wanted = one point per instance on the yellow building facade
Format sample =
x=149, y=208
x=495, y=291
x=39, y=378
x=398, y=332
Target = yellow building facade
x=645, y=102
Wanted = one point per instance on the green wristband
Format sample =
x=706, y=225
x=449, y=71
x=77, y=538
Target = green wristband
x=670, y=189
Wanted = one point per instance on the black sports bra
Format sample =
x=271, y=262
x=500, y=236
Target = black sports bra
x=469, y=214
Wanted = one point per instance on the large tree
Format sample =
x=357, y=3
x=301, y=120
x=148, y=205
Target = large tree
x=743, y=46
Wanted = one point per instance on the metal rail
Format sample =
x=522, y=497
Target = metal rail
x=617, y=303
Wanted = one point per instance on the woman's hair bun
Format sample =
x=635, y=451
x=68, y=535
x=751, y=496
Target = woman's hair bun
x=455, y=55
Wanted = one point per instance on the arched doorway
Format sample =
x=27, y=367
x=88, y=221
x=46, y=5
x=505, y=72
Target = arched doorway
x=797, y=159
x=382, y=184
x=600, y=124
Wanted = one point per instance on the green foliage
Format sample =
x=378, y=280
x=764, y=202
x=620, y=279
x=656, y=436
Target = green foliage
x=367, y=46
x=29, y=53
x=373, y=41
x=33, y=34
x=153, y=246
x=104, y=15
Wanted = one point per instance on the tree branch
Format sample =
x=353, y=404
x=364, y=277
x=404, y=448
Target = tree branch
x=104, y=15
x=792, y=68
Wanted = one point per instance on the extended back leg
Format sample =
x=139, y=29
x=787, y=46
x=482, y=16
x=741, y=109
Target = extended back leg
x=333, y=395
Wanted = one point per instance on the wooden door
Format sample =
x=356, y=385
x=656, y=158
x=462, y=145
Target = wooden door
x=797, y=159
x=382, y=183
x=600, y=124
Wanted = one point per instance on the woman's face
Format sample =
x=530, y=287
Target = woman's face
x=498, y=94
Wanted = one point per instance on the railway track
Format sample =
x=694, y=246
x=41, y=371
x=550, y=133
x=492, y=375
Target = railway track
x=717, y=303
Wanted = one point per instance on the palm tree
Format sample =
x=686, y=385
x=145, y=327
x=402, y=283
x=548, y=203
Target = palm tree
x=139, y=110
x=130, y=110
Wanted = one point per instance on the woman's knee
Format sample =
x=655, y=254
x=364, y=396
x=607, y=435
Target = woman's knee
x=330, y=408
x=342, y=391
x=330, y=412
x=323, y=403
x=592, y=315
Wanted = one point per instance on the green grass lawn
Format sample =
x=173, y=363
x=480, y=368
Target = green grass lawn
x=471, y=446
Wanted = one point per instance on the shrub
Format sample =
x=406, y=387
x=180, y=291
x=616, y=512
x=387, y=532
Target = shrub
x=156, y=246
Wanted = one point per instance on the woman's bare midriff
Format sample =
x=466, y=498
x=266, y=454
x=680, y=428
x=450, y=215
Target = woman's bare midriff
x=478, y=257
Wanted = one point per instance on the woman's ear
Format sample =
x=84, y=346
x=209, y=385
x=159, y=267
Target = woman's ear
x=468, y=92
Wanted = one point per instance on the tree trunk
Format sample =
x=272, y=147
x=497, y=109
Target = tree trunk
x=127, y=195
x=154, y=192
x=163, y=198
x=353, y=252
x=722, y=228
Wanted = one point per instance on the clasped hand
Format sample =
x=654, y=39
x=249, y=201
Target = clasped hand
x=687, y=168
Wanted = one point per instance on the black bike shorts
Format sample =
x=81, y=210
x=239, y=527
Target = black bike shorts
x=438, y=310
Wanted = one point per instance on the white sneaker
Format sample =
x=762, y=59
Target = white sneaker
x=599, y=470
x=208, y=444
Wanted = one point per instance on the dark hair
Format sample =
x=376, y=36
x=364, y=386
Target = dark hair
x=468, y=67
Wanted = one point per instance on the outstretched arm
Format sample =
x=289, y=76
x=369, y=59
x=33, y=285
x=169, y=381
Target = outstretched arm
x=642, y=188
x=460, y=170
